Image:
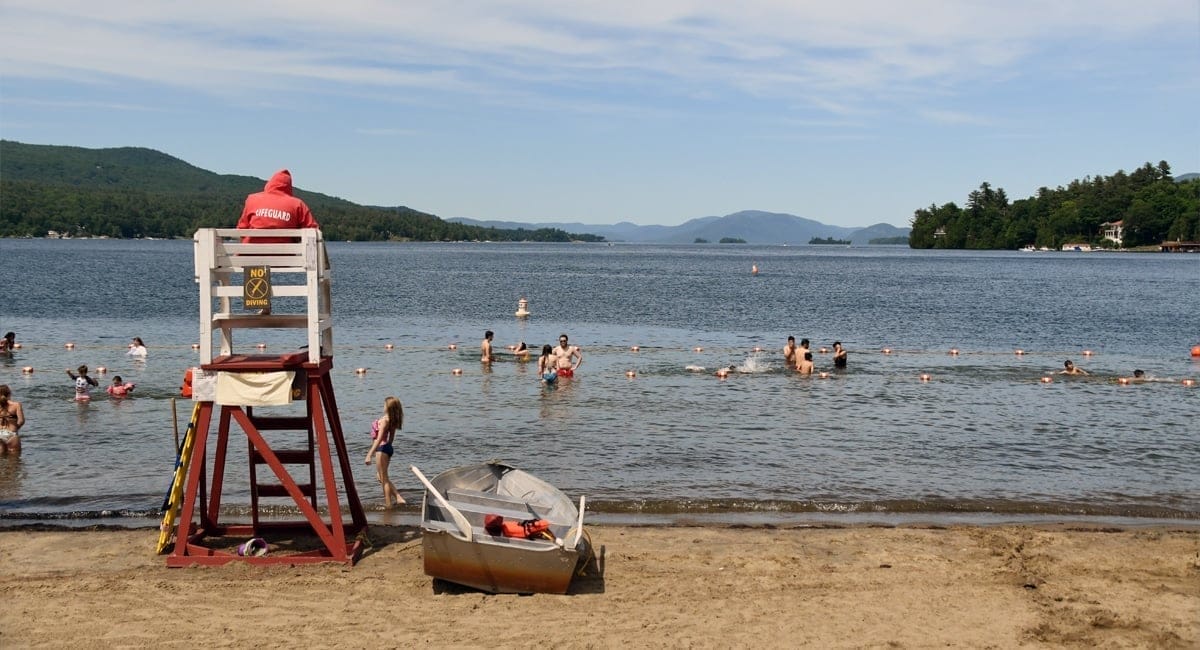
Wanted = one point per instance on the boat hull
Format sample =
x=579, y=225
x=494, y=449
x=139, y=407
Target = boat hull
x=498, y=569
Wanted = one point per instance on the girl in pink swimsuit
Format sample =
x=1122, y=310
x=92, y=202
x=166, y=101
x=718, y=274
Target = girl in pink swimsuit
x=383, y=432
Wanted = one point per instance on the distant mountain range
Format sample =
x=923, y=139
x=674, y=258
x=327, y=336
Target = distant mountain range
x=751, y=226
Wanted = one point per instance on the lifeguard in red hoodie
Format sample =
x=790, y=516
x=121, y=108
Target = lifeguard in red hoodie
x=275, y=207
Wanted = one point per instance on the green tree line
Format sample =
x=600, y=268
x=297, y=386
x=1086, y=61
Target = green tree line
x=134, y=192
x=1151, y=205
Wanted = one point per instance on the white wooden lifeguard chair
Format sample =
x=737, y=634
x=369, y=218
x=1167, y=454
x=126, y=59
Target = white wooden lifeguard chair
x=234, y=273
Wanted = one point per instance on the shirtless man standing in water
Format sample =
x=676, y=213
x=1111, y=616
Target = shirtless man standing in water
x=485, y=348
x=563, y=354
x=789, y=352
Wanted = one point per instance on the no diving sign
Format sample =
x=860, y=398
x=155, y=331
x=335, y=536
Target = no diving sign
x=256, y=288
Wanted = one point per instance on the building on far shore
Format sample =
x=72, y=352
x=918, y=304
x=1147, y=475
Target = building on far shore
x=1113, y=231
x=1180, y=246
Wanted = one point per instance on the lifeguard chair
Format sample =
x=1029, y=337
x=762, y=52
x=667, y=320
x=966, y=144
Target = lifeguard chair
x=232, y=384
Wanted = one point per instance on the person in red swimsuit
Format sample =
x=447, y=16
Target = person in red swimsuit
x=567, y=357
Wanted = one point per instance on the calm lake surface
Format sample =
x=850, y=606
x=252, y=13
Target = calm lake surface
x=984, y=438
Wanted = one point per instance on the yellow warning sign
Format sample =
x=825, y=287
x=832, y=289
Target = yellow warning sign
x=256, y=288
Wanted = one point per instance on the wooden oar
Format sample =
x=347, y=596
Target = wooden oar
x=578, y=526
x=459, y=519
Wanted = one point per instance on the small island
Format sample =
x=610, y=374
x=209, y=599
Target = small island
x=731, y=240
x=828, y=241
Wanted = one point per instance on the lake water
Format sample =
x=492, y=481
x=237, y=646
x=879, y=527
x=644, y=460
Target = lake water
x=983, y=439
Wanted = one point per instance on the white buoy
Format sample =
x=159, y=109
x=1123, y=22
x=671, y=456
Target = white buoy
x=522, y=308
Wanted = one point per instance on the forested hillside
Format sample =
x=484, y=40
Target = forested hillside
x=1151, y=204
x=134, y=192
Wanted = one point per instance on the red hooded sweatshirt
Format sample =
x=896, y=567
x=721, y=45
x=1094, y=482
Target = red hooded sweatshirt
x=275, y=207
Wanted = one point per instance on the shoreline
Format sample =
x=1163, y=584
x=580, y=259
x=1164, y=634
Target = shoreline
x=702, y=586
x=741, y=519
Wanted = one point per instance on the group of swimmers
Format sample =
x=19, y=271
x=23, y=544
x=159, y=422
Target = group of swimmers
x=1069, y=368
x=800, y=358
x=555, y=361
x=118, y=389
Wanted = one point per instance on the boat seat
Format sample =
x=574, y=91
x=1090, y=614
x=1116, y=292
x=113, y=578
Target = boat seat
x=486, y=503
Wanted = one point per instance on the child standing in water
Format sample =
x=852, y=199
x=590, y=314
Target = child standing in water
x=546, y=368
x=83, y=384
x=120, y=389
x=384, y=431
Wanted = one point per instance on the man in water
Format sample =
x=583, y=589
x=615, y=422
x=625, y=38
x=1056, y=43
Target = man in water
x=564, y=353
x=801, y=353
x=485, y=348
x=1071, y=369
x=839, y=355
x=789, y=352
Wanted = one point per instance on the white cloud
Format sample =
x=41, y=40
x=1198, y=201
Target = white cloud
x=842, y=55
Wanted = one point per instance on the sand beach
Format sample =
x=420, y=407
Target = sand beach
x=662, y=586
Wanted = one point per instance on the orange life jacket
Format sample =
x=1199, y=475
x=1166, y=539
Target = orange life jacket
x=528, y=529
x=186, y=389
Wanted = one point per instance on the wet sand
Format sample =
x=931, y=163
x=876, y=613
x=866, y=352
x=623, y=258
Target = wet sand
x=970, y=586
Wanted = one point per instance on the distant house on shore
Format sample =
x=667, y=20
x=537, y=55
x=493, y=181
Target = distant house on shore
x=1180, y=247
x=1113, y=231
x=940, y=232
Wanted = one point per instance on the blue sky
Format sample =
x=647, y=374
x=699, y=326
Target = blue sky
x=851, y=113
